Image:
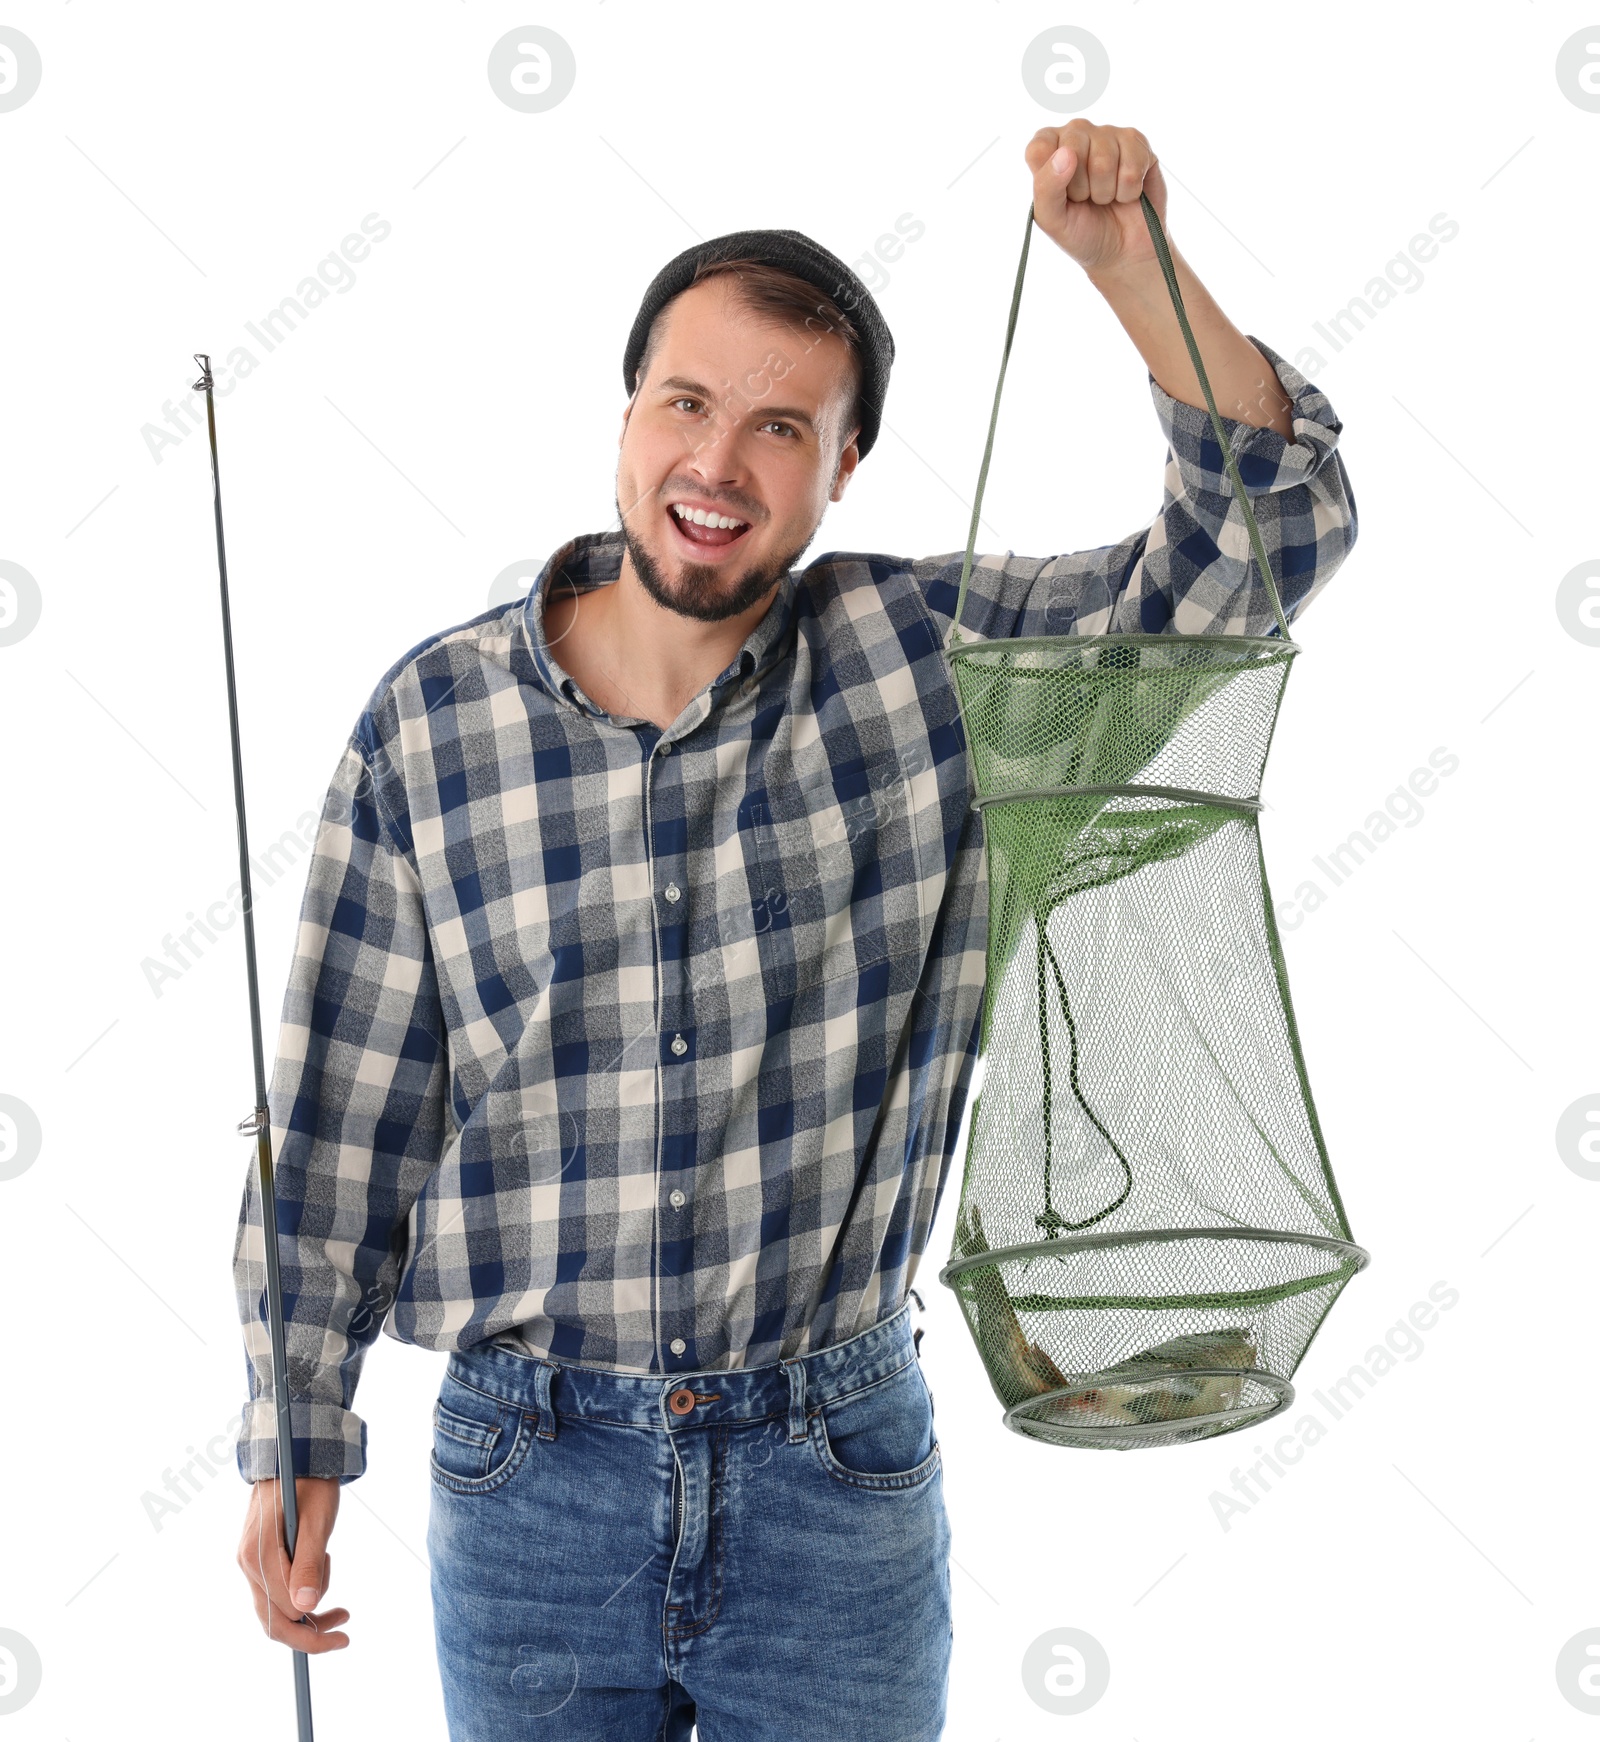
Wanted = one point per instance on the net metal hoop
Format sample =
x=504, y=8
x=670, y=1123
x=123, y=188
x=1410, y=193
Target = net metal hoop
x=1355, y=1257
x=1184, y=794
x=1267, y=644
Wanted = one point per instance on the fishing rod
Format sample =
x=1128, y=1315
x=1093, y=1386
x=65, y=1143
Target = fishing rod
x=258, y=1123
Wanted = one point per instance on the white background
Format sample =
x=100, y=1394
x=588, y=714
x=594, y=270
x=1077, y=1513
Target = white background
x=181, y=170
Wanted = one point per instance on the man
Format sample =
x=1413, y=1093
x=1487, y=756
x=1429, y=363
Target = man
x=635, y=1002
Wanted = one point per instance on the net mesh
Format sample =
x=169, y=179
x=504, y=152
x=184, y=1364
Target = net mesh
x=1148, y=1233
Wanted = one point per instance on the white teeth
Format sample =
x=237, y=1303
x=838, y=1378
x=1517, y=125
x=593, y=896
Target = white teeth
x=701, y=518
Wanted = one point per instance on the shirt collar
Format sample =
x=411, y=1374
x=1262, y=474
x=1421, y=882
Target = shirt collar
x=594, y=559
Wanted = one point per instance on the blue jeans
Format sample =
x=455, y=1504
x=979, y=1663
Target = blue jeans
x=763, y=1553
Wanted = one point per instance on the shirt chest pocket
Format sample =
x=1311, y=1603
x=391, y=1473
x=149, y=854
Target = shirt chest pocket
x=835, y=880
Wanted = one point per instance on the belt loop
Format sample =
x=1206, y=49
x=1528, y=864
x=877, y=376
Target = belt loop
x=797, y=1401
x=543, y=1373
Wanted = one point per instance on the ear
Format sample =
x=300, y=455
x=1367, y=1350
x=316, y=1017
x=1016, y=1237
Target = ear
x=849, y=459
x=627, y=412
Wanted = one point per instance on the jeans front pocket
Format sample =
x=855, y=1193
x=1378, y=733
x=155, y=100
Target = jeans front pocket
x=881, y=1437
x=479, y=1441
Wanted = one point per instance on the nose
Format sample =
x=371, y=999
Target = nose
x=714, y=470
x=720, y=456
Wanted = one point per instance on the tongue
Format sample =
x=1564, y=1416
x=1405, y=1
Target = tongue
x=708, y=534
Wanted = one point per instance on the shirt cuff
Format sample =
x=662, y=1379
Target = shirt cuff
x=328, y=1440
x=1265, y=460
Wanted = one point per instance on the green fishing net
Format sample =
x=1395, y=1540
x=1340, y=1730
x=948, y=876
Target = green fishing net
x=1148, y=1233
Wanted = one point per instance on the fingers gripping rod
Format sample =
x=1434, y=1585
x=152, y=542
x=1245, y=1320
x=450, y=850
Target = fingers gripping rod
x=258, y=1122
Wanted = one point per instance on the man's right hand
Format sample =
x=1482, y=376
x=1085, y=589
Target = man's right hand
x=286, y=1597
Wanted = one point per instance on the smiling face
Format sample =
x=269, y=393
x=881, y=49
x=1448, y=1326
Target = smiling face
x=731, y=451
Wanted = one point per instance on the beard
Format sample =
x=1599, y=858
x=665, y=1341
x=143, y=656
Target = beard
x=705, y=591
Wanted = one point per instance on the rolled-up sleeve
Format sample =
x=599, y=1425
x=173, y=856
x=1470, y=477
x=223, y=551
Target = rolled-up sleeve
x=1192, y=570
x=359, y=1114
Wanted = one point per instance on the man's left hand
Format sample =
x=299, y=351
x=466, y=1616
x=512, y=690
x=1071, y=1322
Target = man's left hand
x=1086, y=185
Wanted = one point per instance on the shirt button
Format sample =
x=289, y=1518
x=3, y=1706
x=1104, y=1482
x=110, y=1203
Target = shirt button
x=663, y=747
x=679, y=1045
x=672, y=892
x=675, y=1199
x=677, y=1345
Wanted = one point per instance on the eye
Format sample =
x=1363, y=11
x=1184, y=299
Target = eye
x=774, y=423
x=683, y=399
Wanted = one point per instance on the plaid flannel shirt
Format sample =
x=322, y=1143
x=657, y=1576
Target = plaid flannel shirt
x=649, y=1049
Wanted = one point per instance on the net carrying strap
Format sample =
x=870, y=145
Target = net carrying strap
x=1164, y=255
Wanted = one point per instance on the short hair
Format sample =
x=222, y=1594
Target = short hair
x=770, y=290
